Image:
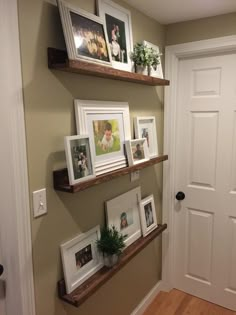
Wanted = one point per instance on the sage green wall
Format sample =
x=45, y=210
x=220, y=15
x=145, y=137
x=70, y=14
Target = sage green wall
x=49, y=115
x=218, y=26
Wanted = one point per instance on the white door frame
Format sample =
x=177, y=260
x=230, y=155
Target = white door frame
x=172, y=57
x=15, y=211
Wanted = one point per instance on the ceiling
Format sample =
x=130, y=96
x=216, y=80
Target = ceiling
x=172, y=11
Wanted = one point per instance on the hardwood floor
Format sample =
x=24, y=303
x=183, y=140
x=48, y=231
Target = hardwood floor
x=179, y=303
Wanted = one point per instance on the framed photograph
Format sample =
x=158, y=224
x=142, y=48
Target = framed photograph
x=137, y=151
x=158, y=71
x=148, y=215
x=81, y=258
x=108, y=125
x=85, y=35
x=79, y=159
x=123, y=213
x=119, y=30
x=145, y=127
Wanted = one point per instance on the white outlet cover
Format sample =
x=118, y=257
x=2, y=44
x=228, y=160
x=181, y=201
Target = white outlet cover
x=134, y=176
x=39, y=202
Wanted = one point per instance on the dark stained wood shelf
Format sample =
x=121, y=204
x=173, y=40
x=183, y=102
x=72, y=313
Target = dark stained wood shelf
x=58, y=60
x=61, y=180
x=86, y=289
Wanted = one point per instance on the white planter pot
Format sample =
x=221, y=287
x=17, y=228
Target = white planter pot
x=110, y=260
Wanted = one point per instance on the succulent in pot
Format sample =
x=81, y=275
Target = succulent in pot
x=111, y=245
x=144, y=57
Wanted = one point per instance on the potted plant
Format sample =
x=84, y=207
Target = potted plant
x=111, y=245
x=144, y=58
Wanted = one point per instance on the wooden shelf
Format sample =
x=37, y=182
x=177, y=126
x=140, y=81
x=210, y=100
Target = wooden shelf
x=61, y=180
x=58, y=60
x=85, y=290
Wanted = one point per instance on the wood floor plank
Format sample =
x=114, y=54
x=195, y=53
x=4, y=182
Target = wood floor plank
x=179, y=303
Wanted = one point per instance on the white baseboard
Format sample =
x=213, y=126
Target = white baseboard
x=140, y=309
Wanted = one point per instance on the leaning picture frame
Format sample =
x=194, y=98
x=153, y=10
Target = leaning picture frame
x=148, y=215
x=145, y=127
x=85, y=35
x=158, y=73
x=80, y=258
x=118, y=24
x=137, y=151
x=79, y=159
x=108, y=126
x=123, y=213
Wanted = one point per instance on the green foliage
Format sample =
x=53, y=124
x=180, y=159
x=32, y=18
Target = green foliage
x=111, y=241
x=145, y=56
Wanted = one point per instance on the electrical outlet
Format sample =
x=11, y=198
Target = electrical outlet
x=39, y=202
x=134, y=176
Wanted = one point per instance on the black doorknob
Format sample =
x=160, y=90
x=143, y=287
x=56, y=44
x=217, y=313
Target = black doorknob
x=1, y=269
x=180, y=196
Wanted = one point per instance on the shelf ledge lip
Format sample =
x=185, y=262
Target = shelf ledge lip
x=90, y=286
x=61, y=182
x=58, y=60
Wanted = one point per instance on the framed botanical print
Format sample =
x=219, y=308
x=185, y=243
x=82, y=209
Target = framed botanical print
x=123, y=213
x=119, y=30
x=137, y=151
x=85, y=35
x=108, y=126
x=145, y=127
x=80, y=258
x=79, y=159
x=148, y=215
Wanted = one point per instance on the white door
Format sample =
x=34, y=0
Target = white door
x=205, y=221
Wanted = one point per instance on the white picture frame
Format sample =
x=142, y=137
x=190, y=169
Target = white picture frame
x=127, y=205
x=145, y=126
x=158, y=73
x=91, y=117
x=137, y=151
x=79, y=159
x=148, y=215
x=81, y=258
x=121, y=39
x=85, y=35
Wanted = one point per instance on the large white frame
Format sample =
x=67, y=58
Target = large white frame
x=173, y=55
x=15, y=211
x=85, y=108
x=119, y=12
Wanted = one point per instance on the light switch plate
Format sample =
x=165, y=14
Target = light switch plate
x=39, y=202
x=134, y=176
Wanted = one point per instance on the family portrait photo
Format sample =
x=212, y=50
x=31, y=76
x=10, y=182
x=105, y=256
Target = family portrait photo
x=106, y=136
x=83, y=256
x=89, y=37
x=117, y=38
x=148, y=214
x=81, y=163
x=126, y=219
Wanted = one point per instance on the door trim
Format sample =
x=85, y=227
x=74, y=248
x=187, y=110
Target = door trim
x=17, y=210
x=173, y=55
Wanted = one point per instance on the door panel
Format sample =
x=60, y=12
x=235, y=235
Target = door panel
x=205, y=221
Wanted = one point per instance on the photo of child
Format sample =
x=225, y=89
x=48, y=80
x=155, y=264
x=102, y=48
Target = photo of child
x=145, y=134
x=137, y=151
x=81, y=163
x=83, y=256
x=148, y=214
x=126, y=219
x=106, y=136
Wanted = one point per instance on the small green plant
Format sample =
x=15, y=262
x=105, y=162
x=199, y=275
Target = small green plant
x=111, y=241
x=145, y=56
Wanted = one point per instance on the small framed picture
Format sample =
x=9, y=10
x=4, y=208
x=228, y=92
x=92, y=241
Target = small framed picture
x=123, y=213
x=81, y=258
x=145, y=127
x=79, y=159
x=148, y=215
x=85, y=35
x=119, y=30
x=137, y=151
x=158, y=73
